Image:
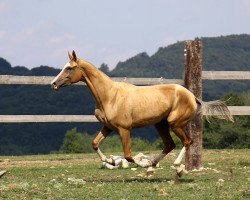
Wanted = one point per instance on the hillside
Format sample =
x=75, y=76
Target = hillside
x=228, y=53
x=225, y=53
x=220, y=53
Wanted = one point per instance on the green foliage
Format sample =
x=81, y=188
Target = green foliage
x=111, y=144
x=104, y=68
x=139, y=144
x=245, y=96
x=221, y=134
x=5, y=66
x=138, y=64
x=75, y=142
x=219, y=53
x=158, y=144
x=233, y=99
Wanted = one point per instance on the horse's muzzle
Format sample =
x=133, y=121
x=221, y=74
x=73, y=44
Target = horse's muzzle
x=54, y=86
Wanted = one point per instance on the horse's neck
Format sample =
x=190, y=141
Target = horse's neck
x=98, y=82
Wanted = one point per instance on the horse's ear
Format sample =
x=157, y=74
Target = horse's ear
x=74, y=56
x=70, y=56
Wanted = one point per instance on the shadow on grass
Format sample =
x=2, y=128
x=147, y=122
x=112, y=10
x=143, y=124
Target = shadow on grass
x=142, y=180
x=158, y=180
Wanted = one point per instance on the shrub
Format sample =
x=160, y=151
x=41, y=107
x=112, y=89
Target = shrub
x=75, y=142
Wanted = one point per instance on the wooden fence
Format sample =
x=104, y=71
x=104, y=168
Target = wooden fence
x=45, y=80
x=193, y=71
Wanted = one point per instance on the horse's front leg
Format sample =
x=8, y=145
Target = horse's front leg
x=126, y=144
x=105, y=131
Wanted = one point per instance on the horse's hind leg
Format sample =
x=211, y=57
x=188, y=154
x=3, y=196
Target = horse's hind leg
x=186, y=141
x=163, y=130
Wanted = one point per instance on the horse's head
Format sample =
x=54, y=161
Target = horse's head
x=71, y=73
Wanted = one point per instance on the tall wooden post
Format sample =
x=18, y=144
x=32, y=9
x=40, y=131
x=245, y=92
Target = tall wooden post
x=193, y=82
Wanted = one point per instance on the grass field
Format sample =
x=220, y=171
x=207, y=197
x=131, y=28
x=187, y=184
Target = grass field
x=226, y=175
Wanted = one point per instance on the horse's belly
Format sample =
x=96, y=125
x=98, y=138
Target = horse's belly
x=149, y=115
x=145, y=122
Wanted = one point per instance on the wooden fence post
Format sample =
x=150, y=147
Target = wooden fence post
x=193, y=82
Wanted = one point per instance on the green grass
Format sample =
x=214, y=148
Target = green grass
x=79, y=176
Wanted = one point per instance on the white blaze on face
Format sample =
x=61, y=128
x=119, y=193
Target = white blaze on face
x=55, y=79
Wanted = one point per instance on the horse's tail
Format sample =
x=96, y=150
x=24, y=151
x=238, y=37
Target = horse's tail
x=217, y=109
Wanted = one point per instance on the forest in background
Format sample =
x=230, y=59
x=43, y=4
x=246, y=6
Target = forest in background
x=219, y=53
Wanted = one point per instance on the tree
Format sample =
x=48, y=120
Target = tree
x=104, y=68
x=5, y=66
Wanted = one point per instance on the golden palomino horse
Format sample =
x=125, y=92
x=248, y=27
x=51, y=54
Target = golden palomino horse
x=121, y=107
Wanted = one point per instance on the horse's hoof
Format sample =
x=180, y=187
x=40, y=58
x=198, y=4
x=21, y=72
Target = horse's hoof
x=149, y=173
x=180, y=173
x=180, y=170
x=125, y=163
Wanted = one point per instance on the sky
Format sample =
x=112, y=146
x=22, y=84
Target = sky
x=41, y=32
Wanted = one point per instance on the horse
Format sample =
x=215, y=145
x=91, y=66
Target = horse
x=122, y=106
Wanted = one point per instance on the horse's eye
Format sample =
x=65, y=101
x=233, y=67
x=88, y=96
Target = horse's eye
x=68, y=69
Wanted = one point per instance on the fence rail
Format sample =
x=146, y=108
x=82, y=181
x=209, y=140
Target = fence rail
x=45, y=80
x=46, y=118
x=235, y=110
x=206, y=75
x=225, y=75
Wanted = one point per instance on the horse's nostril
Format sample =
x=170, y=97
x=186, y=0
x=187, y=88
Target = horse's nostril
x=53, y=86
